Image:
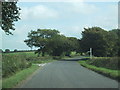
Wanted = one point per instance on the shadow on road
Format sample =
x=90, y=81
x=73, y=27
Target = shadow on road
x=74, y=59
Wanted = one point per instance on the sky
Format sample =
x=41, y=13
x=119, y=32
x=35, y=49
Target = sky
x=70, y=18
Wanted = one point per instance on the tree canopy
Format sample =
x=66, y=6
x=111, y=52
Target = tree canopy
x=40, y=39
x=51, y=42
x=103, y=43
x=10, y=14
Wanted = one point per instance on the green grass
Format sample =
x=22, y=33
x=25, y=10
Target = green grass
x=107, y=72
x=12, y=81
x=26, y=54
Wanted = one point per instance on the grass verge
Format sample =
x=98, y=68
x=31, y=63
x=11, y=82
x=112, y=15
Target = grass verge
x=114, y=74
x=18, y=77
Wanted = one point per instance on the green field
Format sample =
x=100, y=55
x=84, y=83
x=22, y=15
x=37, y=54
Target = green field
x=26, y=54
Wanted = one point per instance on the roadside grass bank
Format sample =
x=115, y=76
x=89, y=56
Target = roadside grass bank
x=114, y=74
x=12, y=81
x=11, y=63
x=14, y=62
x=18, y=66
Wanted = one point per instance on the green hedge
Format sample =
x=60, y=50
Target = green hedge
x=105, y=62
x=11, y=63
x=107, y=72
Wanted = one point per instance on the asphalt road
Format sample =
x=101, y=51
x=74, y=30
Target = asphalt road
x=68, y=74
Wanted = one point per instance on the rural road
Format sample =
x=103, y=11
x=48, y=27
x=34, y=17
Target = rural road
x=67, y=74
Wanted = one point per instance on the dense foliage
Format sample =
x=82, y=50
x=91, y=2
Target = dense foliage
x=51, y=42
x=105, y=62
x=10, y=14
x=103, y=43
x=11, y=63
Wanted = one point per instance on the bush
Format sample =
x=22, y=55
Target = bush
x=15, y=50
x=106, y=62
x=11, y=63
x=7, y=50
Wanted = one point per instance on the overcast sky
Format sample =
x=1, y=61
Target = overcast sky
x=68, y=17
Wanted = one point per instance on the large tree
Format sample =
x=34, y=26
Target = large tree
x=94, y=38
x=72, y=44
x=112, y=40
x=52, y=42
x=115, y=42
x=10, y=14
x=40, y=39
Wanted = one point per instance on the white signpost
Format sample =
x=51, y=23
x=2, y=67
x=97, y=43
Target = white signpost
x=91, y=53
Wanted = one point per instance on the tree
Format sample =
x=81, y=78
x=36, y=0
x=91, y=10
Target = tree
x=40, y=39
x=57, y=45
x=7, y=50
x=15, y=50
x=94, y=38
x=118, y=42
x=62, y=45
x=52, y=42
x=74, y=42
x=10, y=14
x=112, y=39
x=115, y=46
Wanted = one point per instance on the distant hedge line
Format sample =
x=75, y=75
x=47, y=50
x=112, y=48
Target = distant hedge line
x=18, y=51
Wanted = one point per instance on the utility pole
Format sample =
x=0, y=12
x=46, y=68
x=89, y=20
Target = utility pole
x=91, y=53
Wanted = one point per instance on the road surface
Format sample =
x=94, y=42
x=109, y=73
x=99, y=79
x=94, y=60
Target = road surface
x=68, y=74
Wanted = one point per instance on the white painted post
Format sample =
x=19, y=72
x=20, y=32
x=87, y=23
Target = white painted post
x=91, y=53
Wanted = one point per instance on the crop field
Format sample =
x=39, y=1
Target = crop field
x=26, y=54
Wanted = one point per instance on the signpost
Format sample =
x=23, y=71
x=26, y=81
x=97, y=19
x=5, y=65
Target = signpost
x=91, y=53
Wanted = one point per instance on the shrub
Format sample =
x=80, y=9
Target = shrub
x=7, y=50
x=106, y=62
x=15, y=50
x=11, y=63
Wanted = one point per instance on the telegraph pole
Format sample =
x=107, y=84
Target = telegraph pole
x=91, y=53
